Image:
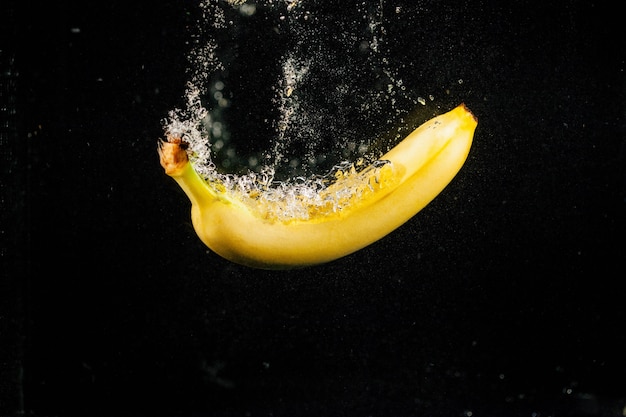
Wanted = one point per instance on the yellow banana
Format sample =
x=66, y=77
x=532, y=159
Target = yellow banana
x=388, y=194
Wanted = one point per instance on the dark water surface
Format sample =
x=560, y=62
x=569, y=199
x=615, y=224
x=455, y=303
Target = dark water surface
x=501, y=298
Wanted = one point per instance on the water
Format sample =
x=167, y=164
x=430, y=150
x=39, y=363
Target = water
x=299, y=75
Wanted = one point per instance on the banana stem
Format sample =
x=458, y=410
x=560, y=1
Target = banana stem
x=174, y=159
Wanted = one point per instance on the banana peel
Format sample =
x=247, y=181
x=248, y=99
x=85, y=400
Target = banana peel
x=407, y=178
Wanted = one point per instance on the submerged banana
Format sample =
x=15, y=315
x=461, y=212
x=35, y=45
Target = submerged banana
x=414, y=172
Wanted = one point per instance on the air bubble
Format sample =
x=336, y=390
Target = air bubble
x=317, y=95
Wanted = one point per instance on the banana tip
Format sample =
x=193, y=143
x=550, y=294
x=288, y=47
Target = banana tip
x=173, y=155
x=468, y=111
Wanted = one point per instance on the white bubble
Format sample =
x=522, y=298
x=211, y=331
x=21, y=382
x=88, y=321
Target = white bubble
x=248, y=9
x=316, y=97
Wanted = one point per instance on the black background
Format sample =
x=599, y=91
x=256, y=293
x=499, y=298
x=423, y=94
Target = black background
x=501, y=298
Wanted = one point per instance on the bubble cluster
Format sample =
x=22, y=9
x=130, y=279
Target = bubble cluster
x=334, y=89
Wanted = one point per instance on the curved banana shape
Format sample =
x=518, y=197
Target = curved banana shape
x=419, y=168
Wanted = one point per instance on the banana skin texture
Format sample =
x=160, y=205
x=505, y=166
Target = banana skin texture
x=418, y=169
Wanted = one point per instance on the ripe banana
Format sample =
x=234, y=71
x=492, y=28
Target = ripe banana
x=392, y=191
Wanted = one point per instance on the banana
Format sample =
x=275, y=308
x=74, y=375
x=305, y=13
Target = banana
x=388, y=193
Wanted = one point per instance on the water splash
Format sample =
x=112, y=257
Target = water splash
x=332, y=71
